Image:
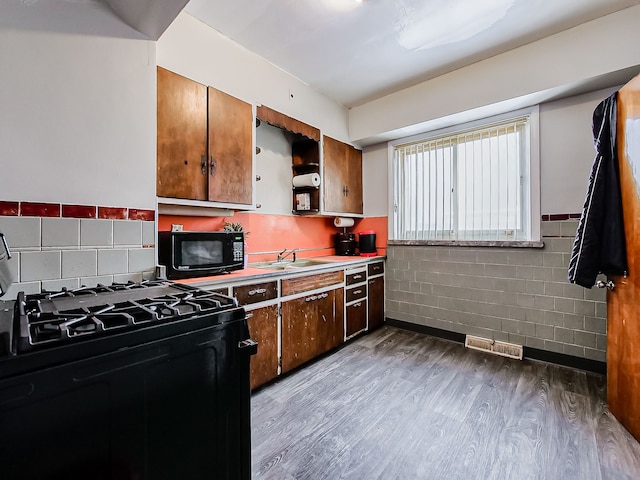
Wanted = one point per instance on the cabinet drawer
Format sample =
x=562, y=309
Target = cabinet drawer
x=256, y=292
x=356, y=277
x=356, y=293
x=376, y=268
x=292, y=286
x=356, y=318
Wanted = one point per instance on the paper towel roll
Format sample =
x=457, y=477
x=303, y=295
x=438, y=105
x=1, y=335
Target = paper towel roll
x=308, y=180
x=342, y=222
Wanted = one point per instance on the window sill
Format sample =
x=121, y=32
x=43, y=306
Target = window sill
x=468, y=243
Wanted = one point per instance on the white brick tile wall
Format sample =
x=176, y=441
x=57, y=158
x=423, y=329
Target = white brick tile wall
x=96, y=233
x=141, y=259
x=148, y=233
x=40, y=266
x=14, y=266
x=60, y=233
x=79, y=263
x=127, y=232
x=21, y=232
x=128, y=277
x=114, y=261
x=97, y=280
x=56, y=285
x=52, y=253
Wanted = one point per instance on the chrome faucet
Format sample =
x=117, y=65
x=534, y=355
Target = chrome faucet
x=286, y=252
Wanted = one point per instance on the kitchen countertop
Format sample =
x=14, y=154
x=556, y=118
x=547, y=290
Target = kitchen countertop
x=255, y=273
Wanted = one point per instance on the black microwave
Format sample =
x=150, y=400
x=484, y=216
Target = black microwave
x=200, y=254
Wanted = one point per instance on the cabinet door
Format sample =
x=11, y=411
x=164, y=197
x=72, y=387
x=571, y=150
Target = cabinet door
x=376, y=302
x=299, y=332
x=182, y=137
x=342, y=177
x=330, y=320
x=311, y=325
x=230, y=149
x=263, y=328
x=354, y=203
x=356, y=317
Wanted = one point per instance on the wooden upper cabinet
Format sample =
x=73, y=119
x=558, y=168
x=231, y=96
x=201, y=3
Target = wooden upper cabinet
x=182, y=137
x=342, y=177
x=205, y=142
x=230, y=149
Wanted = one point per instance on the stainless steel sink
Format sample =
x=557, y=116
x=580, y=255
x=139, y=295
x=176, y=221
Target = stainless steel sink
x=301, y=263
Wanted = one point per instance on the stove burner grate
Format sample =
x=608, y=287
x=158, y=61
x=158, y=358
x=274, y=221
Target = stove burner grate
x=52, y=317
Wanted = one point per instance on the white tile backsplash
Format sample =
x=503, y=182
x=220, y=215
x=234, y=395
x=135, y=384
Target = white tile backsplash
x=127, y=232
x=26, y=287
x=142, y=259
x=21, y=232
x=113, y=261
x=60, y=232
x=40, y=266
x=93, y=281
x=128, y=277
x=57, y=285
x=96, y=233
x=52, y=253
x=148, y=233
x=79, y=263
x=14, y=266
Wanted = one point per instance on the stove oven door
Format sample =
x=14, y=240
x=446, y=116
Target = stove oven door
x=176, y=408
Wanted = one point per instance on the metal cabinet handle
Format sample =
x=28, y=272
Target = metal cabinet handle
x=359, y=304
x=259, y=291
x=203, y=164
x=357, y=277
x=213, y=165
x=311, y=298
x=357, y=292
x=610, y=285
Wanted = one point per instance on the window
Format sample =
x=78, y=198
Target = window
x=477, y=183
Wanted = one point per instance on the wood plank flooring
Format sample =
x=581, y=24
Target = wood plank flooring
x=400, y=405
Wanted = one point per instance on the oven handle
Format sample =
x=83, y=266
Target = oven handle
x=248, y=346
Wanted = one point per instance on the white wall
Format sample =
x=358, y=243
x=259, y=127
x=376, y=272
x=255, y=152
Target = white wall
x=273, y=165
x=77, y=119
x=566, y=156
x=374, y=180
x=194, y=50
x=563, y=61
x=567, y=151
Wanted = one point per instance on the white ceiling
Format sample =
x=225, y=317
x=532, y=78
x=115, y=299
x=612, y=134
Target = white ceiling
x=351, y=51
x=354, y=52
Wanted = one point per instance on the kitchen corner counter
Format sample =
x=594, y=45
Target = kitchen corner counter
x=329, y=262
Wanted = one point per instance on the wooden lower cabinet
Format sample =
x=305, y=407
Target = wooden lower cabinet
x=356, y=317
x=311, y=326
x=263, y=328
x=376, y=302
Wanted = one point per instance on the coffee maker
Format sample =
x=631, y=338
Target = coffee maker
x=343, y=242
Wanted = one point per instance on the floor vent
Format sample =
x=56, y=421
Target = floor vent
x=497, y=347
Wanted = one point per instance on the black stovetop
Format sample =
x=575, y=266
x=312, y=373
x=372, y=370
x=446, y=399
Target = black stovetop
x=55, y=318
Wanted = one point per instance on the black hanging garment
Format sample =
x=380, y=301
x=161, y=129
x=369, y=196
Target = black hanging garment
x=600, y=246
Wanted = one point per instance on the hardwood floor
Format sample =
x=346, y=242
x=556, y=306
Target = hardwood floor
x=400, y=405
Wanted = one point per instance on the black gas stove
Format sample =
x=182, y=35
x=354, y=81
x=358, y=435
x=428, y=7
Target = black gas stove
x=142, y=380
x=53, y=318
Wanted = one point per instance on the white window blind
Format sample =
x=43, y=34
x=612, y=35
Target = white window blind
x=469, y=185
